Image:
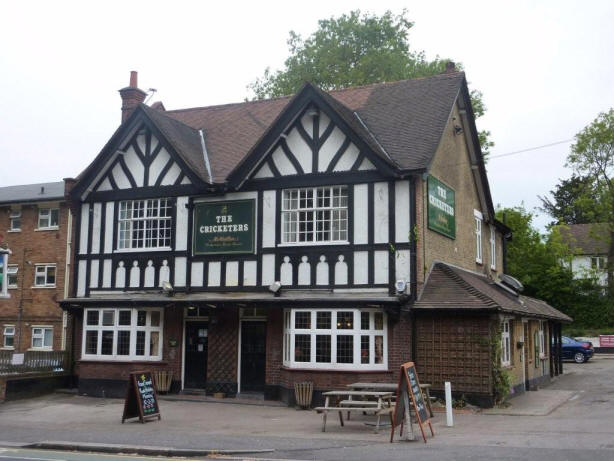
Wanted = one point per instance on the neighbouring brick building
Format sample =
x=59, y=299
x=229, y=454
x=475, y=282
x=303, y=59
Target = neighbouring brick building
x=35, y=226
x=327, y=236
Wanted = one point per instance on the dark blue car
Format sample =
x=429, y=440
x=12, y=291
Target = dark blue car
x=578, y=351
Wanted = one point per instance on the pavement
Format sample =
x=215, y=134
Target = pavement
x=572, y=416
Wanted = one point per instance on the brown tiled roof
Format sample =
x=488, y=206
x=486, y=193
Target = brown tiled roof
x=449, y=287
x=586, y=239
x=403, y=122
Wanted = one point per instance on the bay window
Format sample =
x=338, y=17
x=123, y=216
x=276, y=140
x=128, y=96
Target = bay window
x=144, y=224
x=315, y=215
x=122, y=334
x=350, y=339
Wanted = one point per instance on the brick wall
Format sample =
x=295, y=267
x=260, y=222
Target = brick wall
x=30, y=246
x=454, y=348
x=451, y=165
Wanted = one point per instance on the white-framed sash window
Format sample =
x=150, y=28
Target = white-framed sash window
x=493, y=248
x=44, y=275
x=8, y=337
x=339, y=339
x=122, y=334
x=144, y=224
x=314, y=215
x=15, y=221
x=506, y=348
x=478, y=236
x=12, y=276
x=42, y=338
x=48, y=218
x=542, y=340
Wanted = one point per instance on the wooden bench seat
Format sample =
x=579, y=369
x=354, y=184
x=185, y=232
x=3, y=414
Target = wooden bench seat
x=377, y=411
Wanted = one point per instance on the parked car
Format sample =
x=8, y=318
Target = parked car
x=578, y=351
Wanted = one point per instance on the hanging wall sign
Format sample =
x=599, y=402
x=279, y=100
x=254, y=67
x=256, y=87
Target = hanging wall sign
x=224, y=227
x=441, y=211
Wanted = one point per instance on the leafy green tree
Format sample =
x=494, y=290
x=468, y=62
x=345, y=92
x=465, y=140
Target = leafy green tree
x=592, y=155
x=577, y=200
x=541, y=263
x=356, y=49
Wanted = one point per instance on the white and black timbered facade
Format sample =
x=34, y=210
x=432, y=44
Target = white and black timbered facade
x=249, y=246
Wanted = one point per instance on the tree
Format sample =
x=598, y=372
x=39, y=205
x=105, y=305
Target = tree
x=356, y=49
x=577, y=200
x=592, y=155
x=541, y=263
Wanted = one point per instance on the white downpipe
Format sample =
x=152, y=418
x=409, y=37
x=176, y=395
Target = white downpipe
x=449, y=417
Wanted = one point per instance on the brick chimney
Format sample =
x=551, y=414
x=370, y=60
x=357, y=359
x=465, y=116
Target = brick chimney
x=131, y=96
x=450, y=67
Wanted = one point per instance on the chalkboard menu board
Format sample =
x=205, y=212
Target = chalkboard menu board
x=141, y=399
x=409, y=392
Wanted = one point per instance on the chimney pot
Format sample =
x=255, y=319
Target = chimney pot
x=131, y=96
x=450, y=67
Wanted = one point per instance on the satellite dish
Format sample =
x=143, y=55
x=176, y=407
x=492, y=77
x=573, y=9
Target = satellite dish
x=511, y=282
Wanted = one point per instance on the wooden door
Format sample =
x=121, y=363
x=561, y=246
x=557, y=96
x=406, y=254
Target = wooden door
x=253, y=356
x=195, y=355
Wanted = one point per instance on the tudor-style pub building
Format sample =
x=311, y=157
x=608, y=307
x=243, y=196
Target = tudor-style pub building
x=327, y=236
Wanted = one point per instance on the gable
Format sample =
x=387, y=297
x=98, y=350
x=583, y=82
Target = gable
x=312, y=144
x=314, y=134
x=139, y=156
x=142, y=162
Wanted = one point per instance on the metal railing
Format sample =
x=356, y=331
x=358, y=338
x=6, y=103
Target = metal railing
x=34, y=362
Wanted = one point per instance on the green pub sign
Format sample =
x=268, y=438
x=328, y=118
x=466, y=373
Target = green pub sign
x=224, y=227
x=441, y=211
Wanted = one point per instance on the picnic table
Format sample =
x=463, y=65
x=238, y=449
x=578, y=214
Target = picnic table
x=379, y=402
x=392, y=388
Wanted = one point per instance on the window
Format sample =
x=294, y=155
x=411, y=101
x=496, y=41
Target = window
x=541, y=340
x=122, y=334
x=478, y=236
x=318, y=214
x=598, y=263
x=15, y=221
x=44, y=275
x=506, y=350
x=144, y=224
x=42, y=338
x=343, y=339
x=12, y=276
x=8, y=337
x=48, y=218
x=493, y=248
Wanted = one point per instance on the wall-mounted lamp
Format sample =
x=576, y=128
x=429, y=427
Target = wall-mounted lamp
x=167, y=288
x=275, y=288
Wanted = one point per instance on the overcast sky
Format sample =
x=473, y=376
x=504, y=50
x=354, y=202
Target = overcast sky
x=546, y=70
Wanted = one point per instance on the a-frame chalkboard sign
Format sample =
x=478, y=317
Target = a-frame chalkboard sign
x=409, y=393
x=141, y=399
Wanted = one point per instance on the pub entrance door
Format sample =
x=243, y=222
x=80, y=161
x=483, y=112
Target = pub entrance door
x=253, y=355
x=195, y=355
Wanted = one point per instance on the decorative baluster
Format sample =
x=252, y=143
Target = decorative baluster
x=304, y=271
x=120, y=275
x=322, y=271
x=341, y=271
x=285, y=273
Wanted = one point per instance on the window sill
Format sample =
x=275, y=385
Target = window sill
x=311, y=244
x=98, y=359
x=35, y=287
x=7, y=348
x=47, y=349
x=14, y=230
x=140, y=250
x=12, y=287
x=336, y=370
x=479, y=261
x=43, y=229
